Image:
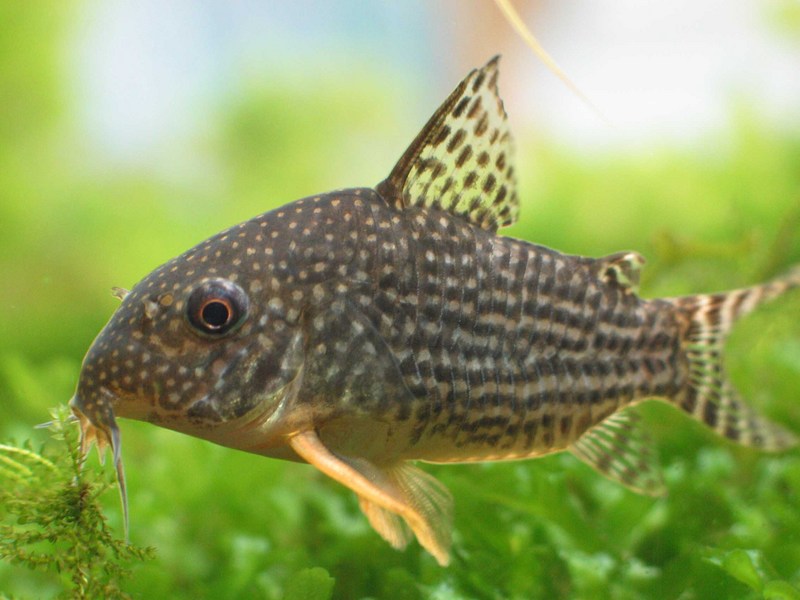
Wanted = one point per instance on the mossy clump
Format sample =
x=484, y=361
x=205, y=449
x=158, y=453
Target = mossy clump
x=51, y=518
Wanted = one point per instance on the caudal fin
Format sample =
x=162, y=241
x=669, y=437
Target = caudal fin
x=709, y=396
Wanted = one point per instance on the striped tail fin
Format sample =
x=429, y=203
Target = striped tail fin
x=709, y=396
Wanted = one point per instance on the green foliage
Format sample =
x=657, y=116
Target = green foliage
x=310, y=584
x=51, y=520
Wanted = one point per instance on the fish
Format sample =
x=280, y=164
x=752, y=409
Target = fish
x=366, y=330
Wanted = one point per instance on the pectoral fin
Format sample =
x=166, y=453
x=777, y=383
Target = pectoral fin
x=621, y=450
x=394, y=498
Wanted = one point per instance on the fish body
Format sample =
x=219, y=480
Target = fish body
x=363, y=329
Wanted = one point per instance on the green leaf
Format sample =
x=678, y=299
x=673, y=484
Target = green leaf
x=780, y=590
x=310, y=584
x=741, y=565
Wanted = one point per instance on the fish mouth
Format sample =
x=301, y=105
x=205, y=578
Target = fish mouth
x=99, y=427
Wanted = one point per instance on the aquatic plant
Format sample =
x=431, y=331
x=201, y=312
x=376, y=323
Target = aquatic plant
x=51, y=518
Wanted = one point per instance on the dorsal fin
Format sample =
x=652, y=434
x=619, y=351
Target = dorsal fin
x=622, y=268
x=461, y=161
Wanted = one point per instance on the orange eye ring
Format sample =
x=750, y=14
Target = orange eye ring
x=215, y=313
x=216, y=307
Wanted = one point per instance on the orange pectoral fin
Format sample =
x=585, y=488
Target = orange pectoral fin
x=391, y=497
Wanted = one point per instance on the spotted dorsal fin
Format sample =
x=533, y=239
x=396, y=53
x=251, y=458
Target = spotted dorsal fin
x=621, y=450
x=461, y=161
x=622, y=268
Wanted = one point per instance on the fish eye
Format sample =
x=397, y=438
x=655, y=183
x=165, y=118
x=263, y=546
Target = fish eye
x=216, y=307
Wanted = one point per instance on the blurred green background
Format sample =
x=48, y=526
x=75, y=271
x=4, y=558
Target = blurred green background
x=721, y=212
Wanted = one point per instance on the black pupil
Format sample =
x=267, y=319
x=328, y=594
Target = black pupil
x=216, y=307
x=216, y=314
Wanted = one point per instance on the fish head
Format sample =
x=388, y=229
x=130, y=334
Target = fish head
x=200, y=346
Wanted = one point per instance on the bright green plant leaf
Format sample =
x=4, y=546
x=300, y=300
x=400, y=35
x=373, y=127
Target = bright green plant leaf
x=310, y=584
x=780, y=590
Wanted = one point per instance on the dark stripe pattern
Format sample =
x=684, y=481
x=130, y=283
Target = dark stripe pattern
x=506, y=349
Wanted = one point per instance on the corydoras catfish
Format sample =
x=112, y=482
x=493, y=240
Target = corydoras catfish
x=364, y=329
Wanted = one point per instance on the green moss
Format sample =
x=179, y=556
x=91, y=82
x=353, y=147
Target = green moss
x=51, y=520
